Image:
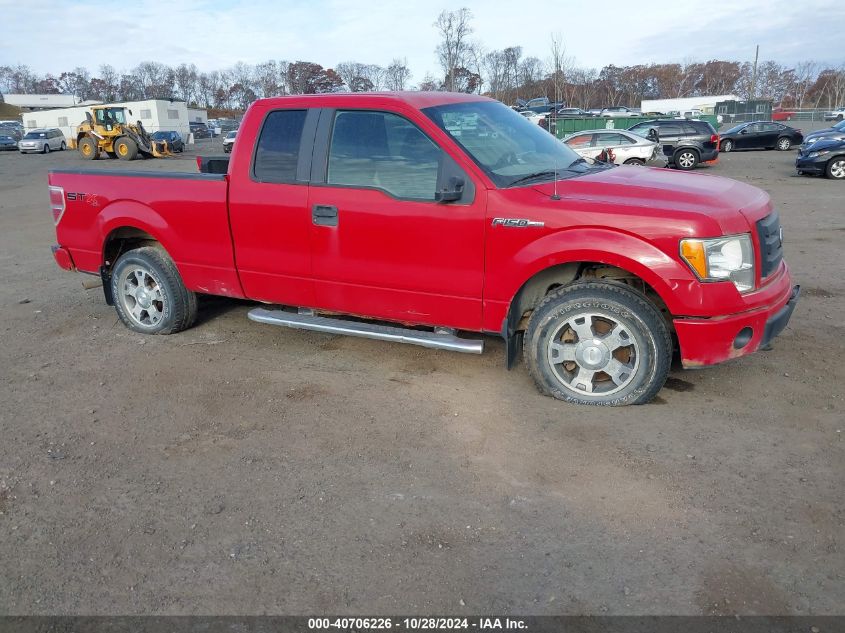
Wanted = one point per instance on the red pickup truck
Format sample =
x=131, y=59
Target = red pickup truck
x=410, y=216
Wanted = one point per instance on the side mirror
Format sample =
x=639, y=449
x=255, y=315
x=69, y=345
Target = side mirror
x=130, y=113
x=452, y=192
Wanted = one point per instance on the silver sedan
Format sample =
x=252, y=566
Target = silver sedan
x=627, y=148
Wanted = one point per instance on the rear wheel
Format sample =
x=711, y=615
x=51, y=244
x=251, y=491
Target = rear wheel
x=686, y=159
x=149, y=295
x=598, y=343
x=126, y=148
x=727, y=146
x=88, y=148
x=784, y=143
x=836, y=168
x=630, y=161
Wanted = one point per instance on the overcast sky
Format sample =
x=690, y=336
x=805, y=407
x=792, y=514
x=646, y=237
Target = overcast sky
x=52, y=35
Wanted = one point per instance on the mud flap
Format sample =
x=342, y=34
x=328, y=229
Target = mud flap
x=105, y=275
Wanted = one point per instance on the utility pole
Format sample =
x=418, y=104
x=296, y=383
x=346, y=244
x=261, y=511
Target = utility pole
x=754, y=74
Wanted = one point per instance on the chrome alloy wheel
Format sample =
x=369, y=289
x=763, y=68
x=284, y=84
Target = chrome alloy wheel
x=686, y=160
x=141, y=296
x=837, y=169
x=593, y=354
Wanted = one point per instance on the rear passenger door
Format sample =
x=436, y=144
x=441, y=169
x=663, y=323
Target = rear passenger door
x=382, y=246
x=268, y=210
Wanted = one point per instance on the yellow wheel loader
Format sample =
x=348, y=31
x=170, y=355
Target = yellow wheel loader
x=107, y=129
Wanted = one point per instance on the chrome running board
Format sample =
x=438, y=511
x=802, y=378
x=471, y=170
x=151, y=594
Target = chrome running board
x=439, y=339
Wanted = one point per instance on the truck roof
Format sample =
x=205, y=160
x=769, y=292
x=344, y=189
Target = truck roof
x=415, y=99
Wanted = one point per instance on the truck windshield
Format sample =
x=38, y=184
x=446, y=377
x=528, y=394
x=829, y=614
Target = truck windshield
x=508, y=147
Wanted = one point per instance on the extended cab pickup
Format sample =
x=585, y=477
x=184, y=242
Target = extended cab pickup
x=440, y=212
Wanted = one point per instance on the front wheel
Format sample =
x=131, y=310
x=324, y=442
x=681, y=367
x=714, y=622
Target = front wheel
x=598, y=343
x=63, y=146
x=148, y=292
x=126, y=148
x=784, y=144
x=635, y=161
x=727, y=146
x=836, y=168
x=46, y=149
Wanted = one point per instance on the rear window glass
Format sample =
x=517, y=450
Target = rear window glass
x=278, y=146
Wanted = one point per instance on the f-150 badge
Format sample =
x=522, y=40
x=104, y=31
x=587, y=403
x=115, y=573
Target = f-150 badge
x=517, y=223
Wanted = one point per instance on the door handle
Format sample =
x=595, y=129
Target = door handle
x=324, y=215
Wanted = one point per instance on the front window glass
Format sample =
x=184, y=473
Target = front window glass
x=383, y=151
x=510, y=149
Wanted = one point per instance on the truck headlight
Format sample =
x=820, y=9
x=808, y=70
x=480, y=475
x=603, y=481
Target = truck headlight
x=721, y=259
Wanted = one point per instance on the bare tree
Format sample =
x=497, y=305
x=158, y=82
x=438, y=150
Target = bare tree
x=454, y=47
x=397, y=75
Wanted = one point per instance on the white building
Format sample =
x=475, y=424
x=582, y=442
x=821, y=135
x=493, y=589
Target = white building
x=706, y=104
x=43, y=102
x=154, y=114
x=197, y=115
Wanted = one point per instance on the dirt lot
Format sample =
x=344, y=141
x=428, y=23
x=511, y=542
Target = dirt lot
x=239, y=468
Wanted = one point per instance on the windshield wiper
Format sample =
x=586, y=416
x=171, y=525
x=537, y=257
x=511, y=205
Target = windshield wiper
x=578, y=160
x=540, y=174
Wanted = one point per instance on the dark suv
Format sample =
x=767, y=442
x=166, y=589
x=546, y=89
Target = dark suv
x=685, y=142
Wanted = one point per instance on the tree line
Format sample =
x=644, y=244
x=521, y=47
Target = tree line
x=465, y=66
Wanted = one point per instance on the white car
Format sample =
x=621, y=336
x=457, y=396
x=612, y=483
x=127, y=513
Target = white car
x=628, y=148
x=619, y=111
x=534, y=117
x=837, y=114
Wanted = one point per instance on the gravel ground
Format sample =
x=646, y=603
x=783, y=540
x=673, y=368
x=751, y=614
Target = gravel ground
x=239, y=468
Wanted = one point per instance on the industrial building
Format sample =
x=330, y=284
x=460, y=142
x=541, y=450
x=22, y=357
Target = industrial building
x=154, y=114
x=33, y=102
x=706, y=104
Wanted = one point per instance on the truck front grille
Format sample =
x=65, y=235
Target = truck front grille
x=771, y=244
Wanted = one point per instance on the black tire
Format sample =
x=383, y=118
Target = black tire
x=634, y=318
x=727, y=146
x=63, y=146
x=46, y=149
x=88, y=148
x=630, y=161
x=839, y=117
x=165, y=305
x=686, y=159
x=783, y=144
x=835, y=168
x=126, y=148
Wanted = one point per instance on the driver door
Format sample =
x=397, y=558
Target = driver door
x=381, y=245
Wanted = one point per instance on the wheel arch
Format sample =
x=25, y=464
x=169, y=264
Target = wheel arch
x=658, y=281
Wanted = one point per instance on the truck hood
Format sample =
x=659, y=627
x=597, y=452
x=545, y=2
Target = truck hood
x=662, y=190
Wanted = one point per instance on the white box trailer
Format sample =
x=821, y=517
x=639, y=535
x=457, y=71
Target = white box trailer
x=154, y=115
x=706, y=104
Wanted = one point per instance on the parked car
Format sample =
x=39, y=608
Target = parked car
x=836, y=132
x=837, y=114
x=12, y=128
x=824, y=157
x=173, y=138
x=534, y=117
x=779, y=114
x=760, y=135
x=618, y=111
x=7, y=141
x=229, y=141
x=382, y=211
x=199, y=130
x=572, y=113
x=685, y=143
x=42, y=141
x=628, y=148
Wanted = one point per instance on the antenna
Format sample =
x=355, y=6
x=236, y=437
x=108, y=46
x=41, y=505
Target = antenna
x=556, y=55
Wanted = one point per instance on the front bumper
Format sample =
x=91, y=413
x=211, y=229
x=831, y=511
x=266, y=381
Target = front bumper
x=35, y=147
x=811, y=165
x=717, y=339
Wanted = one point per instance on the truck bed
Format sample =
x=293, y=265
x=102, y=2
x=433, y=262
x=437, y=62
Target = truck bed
x=186, y=212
